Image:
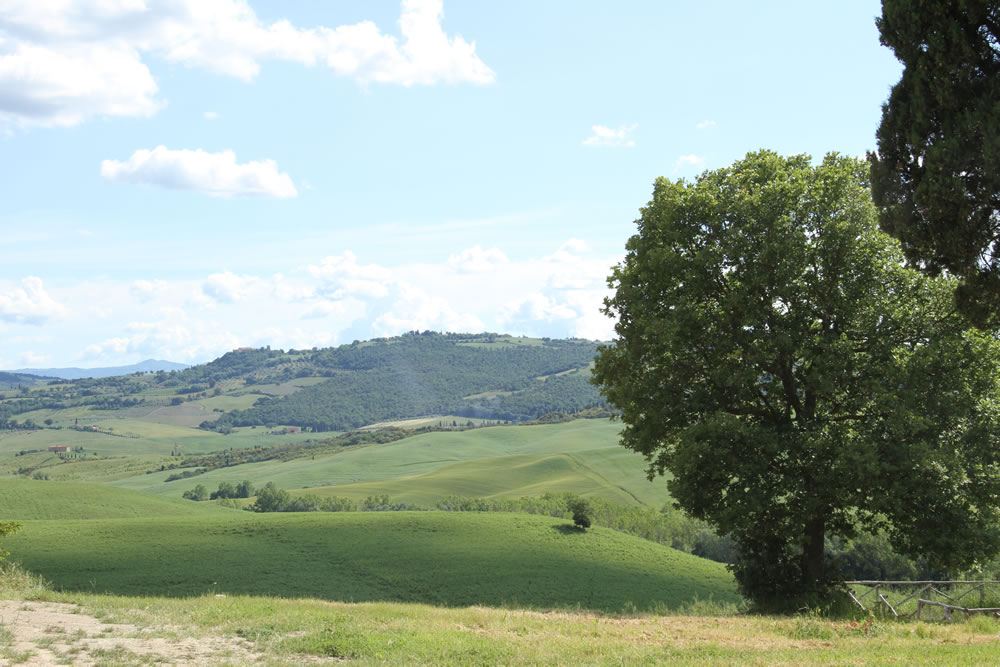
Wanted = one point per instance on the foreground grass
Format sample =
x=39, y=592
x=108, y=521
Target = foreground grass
x=297, y=631
x=441, y=558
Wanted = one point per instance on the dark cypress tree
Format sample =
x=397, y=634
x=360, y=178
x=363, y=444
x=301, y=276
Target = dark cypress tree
x=936, y=175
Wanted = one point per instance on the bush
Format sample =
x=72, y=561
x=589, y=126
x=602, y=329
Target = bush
x=381, y=503
x=270, y=499
x=581, y=509
x=197, y=493
x=336, y=504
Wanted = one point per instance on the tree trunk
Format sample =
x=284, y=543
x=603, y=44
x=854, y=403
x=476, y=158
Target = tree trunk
x=812, y=552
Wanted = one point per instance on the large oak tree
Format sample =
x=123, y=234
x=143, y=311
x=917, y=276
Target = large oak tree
x=936, y=174
x=795, y=381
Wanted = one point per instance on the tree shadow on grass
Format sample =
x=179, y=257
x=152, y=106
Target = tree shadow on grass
x=569, y=529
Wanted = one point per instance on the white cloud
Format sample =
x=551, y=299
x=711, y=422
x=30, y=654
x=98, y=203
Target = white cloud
x=705, y=124
x=214, y=174
x=228, y=287
x=324, y=309
x=477, y=260
x=174, y=337
x=29, y=304
x=66, y=84
x=294, y=339
x=536, y=307
x=690, y=160
x=415, y=310
x=29, y=359
x=146, y=290
x=341, y=276
x=569, y=290
x=211, y=115
x=602, y=135
x=555, y=291
x=64, y=61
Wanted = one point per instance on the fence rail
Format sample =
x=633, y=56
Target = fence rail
x=887, y=596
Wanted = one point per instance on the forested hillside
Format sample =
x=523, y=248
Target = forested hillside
x=475, y=376
x=418, y=374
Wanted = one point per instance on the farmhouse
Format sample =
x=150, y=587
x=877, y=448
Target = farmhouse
x=59, y=449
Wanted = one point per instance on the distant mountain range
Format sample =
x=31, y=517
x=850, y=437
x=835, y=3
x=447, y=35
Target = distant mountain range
x=147, y=366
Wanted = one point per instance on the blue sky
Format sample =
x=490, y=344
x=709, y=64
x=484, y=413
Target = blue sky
x=182, y=177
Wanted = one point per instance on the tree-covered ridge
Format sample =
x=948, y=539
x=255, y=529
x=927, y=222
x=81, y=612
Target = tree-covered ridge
x=474, y=375
x=427, y=373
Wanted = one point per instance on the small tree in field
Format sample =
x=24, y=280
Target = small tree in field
x=774, y=356
x=198, y=493
x=581, y=509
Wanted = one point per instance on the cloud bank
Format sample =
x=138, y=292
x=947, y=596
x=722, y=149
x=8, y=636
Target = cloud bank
x=330, y=300
x=64, y=62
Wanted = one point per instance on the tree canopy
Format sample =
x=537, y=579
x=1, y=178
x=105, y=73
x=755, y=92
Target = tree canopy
x=936, y=175
x=796, y=382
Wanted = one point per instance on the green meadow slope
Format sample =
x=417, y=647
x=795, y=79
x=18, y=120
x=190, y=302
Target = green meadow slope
x=582, y=456
x=431, y=557
x=24, y=500
x=515, y=477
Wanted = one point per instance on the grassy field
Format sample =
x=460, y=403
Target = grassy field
x=241, y=630
x=117, y=453
x=513, y=477
x=31, y=500
x=435, y=558
x=582, y=456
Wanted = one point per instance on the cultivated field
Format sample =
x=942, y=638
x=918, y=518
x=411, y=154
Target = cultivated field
x=449, y=559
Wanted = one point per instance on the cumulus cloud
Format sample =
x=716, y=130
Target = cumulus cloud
x=63, y=62
x=342, y=276
x=146, y=290
x=30, y=359
x=29, y=304
x=211, y=115
x=555, y=291
x=602, y=135
x=705, y=124
x=537, y=307
x=570, y=290
x=324, y=309
x=174, y=336
x=415, y=310
x=477, y=260
x=214, y=174
x=63, y=85
x=228, y=287
x=690, y=160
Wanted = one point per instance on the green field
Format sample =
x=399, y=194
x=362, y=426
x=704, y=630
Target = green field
x=31, y=500
x=436, y=558
x=581, y=456
x=608, y=474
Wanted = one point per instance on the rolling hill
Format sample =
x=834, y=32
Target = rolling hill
x=445, y=559
x=29, y=500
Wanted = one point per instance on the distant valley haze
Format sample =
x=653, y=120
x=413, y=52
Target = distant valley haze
x=147, y=366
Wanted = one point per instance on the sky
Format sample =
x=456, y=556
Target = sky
x=179, y=178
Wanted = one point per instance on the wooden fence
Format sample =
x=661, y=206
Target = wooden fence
x=910, y=598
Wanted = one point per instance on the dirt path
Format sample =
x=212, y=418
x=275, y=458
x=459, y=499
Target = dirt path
x=49, y=633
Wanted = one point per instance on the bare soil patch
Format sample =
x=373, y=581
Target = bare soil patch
x=50, y=633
